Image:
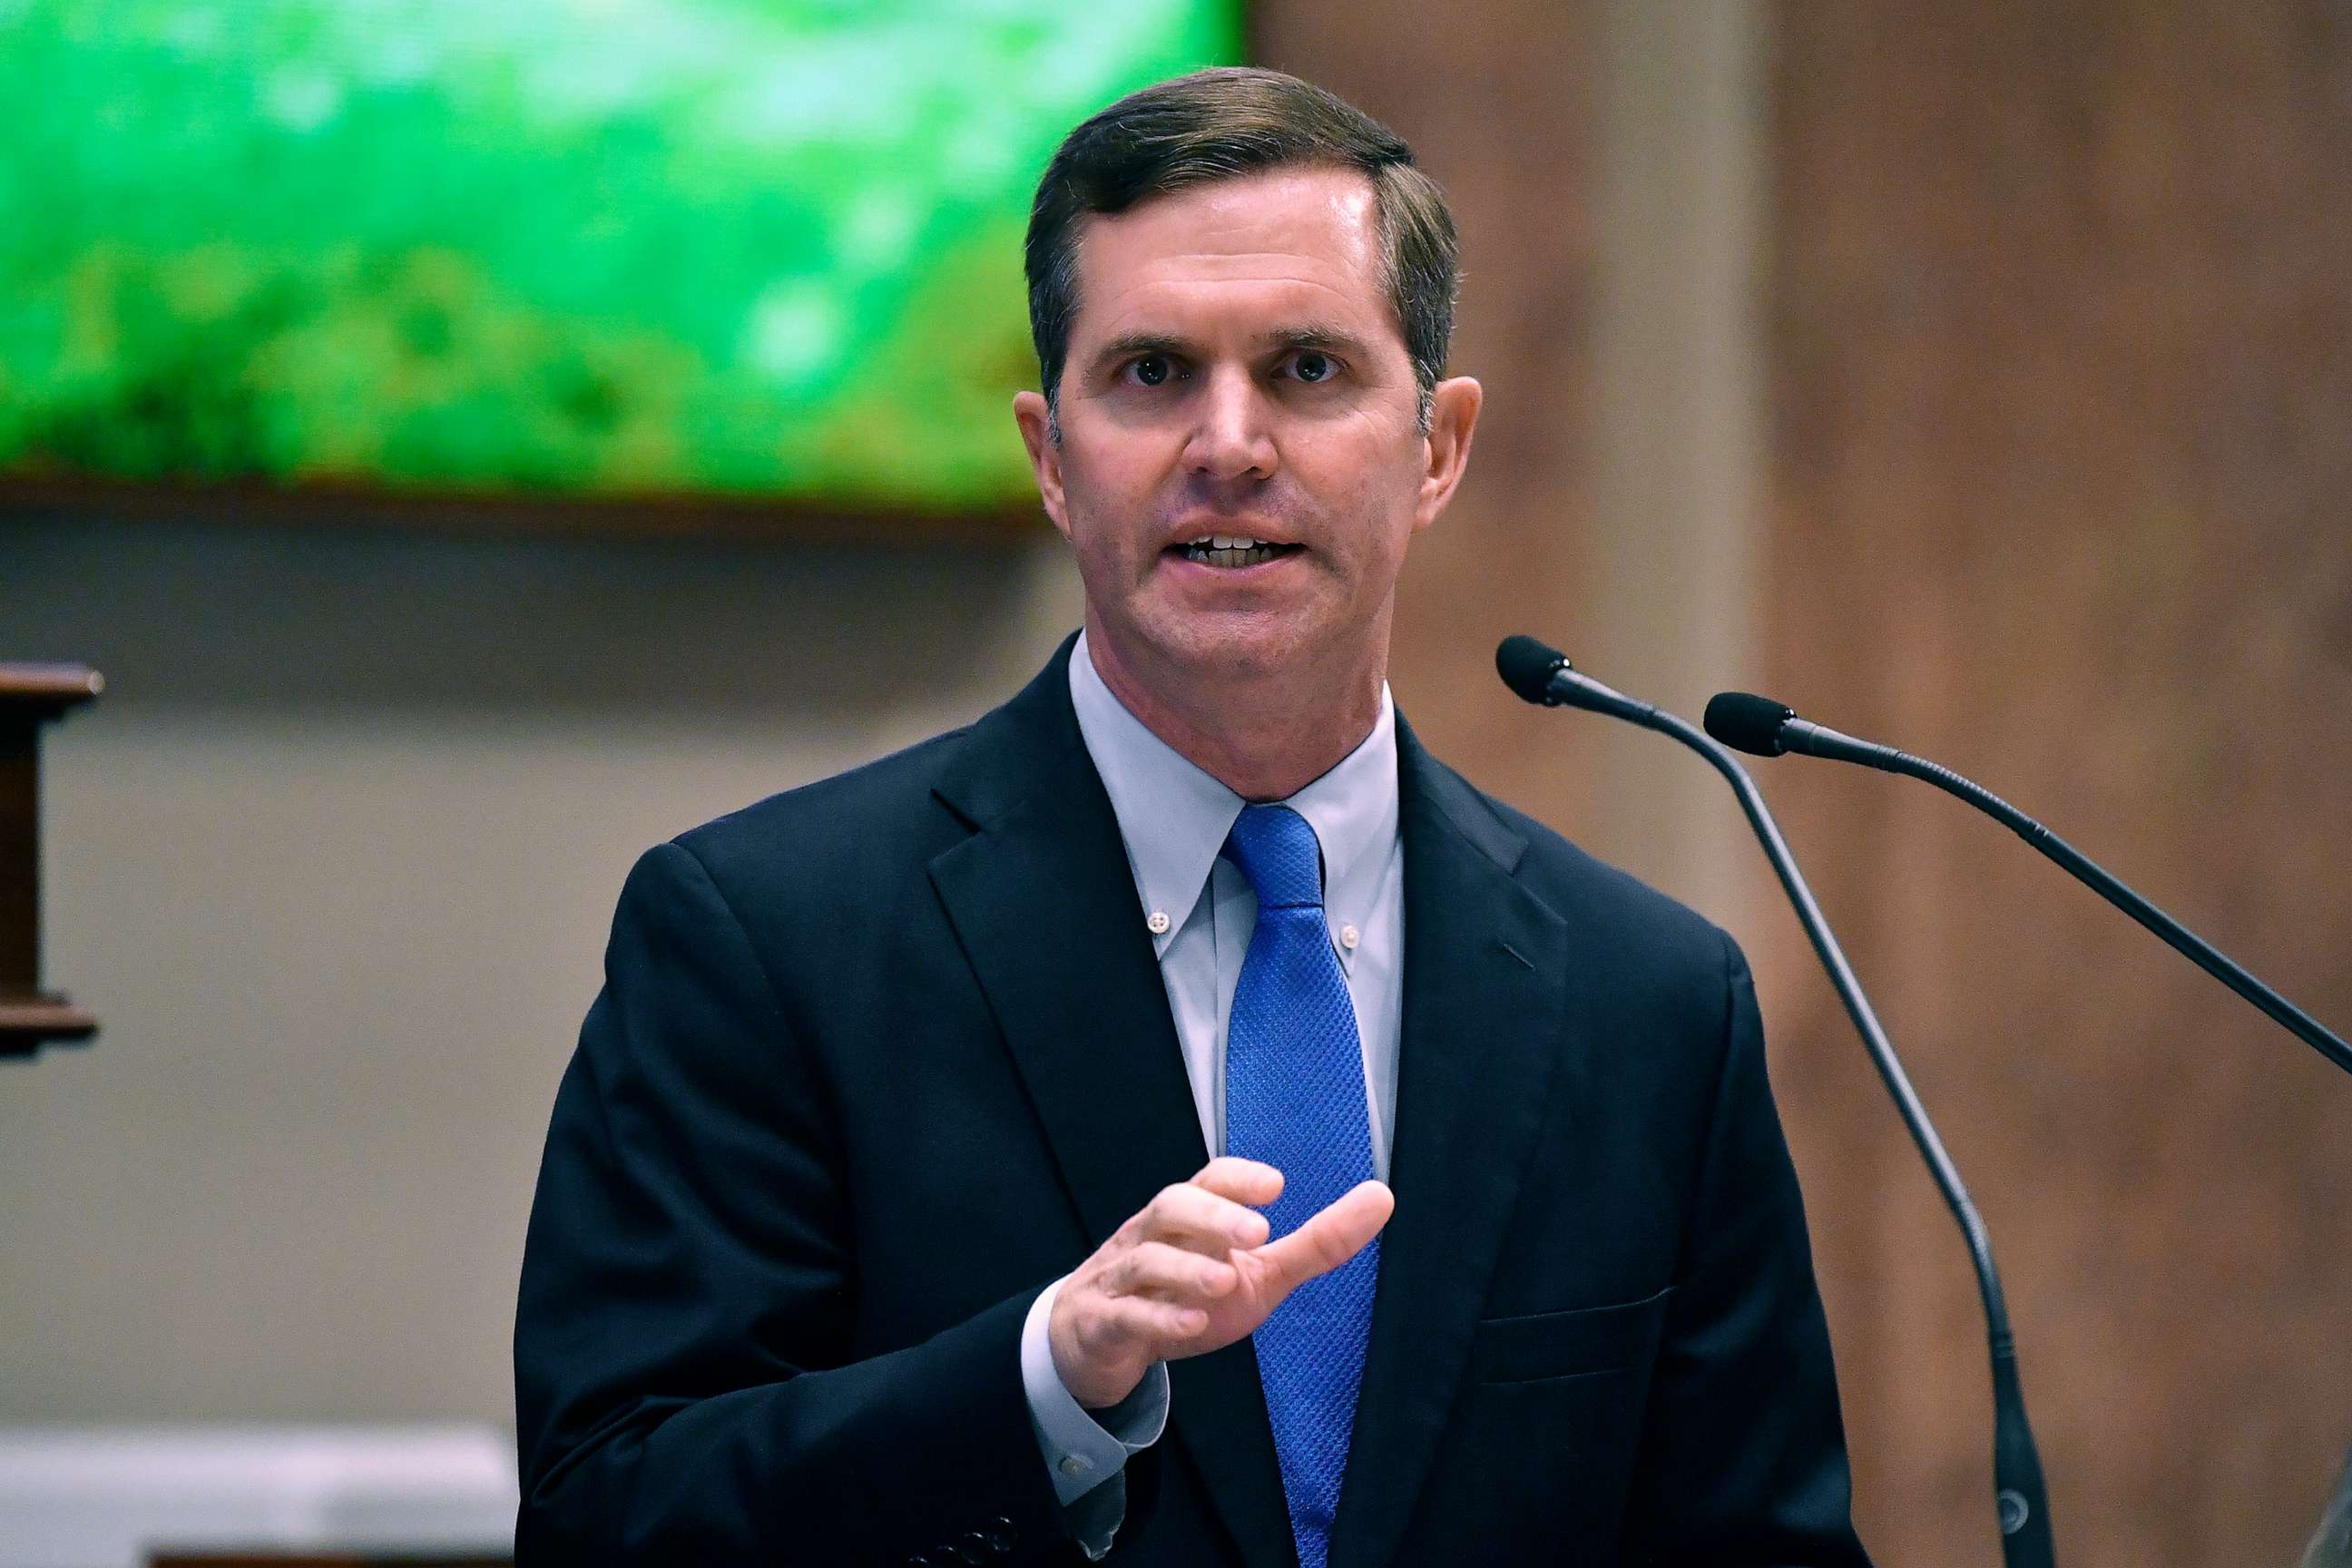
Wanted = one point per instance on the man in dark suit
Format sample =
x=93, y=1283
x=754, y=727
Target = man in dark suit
x=879, y=1221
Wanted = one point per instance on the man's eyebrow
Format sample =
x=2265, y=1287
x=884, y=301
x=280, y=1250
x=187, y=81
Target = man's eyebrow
x=1131, y=345
x=1314, y=335
x=1305, y=335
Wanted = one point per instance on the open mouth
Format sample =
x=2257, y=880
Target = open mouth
x=1232, y=550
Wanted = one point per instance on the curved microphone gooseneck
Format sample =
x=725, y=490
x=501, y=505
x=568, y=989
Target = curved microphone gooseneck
x=1764, y=728
x=1542, y=676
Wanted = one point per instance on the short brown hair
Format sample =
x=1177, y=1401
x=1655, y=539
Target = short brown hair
x=1220, y=124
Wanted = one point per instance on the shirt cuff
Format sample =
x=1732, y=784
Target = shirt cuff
x=1084, y=1448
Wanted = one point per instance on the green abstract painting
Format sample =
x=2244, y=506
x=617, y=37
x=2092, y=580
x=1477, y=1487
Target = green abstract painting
x=541, y=248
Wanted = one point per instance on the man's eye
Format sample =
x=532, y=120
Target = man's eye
x=1312, y=367
x=1151, y=370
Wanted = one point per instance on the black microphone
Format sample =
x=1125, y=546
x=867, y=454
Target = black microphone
x=1764, y=728
x=2021, y=1500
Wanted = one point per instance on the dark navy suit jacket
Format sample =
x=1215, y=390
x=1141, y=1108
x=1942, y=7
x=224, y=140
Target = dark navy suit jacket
x=877, y=1058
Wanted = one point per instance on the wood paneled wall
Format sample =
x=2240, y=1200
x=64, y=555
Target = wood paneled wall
x=1495, y=99
x=2058, y=376
x=2062, y=433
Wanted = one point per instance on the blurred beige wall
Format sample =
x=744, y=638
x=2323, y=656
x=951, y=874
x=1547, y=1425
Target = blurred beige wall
x=333, y=861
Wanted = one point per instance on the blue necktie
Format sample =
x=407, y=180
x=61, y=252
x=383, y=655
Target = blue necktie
x=1295, y=1099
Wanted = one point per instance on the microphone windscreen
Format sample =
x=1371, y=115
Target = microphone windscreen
x=1746, y=722
x=1527, y=665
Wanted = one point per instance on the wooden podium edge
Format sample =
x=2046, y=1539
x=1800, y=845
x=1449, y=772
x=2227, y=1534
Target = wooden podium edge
x=47, y=689
x=31, y=694
x=28, y=1023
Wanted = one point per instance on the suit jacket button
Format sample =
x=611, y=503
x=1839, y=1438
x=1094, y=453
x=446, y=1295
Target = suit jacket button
x=1000, y=1535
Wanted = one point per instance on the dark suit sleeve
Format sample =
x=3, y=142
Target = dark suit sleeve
x=1743, y=1449
x=683, y=1391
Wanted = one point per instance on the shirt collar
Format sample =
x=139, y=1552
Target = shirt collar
x=1174, y=817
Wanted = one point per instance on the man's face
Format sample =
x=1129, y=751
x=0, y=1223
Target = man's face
x=1236, y=370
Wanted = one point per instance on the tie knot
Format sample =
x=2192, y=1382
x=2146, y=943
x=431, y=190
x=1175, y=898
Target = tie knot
x=1277, y=850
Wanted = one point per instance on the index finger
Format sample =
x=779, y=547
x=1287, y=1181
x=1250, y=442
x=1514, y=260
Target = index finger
x=1250, y=1182
x=1188, y=1211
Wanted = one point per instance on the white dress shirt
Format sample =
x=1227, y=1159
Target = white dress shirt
x=1200, y=911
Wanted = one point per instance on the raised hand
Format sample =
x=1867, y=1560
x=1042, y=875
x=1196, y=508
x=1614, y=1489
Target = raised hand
x=1193, y=1272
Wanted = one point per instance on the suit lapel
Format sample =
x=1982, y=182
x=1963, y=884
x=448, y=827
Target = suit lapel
x=1484, y=997
x=1041, y=899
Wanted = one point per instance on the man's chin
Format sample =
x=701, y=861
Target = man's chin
x=1235, y=645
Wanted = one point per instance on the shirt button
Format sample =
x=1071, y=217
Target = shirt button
x=1348, y=937
x=1076, y=1465
x=1159, y=922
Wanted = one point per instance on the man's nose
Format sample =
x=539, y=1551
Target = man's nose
x=1233, y=439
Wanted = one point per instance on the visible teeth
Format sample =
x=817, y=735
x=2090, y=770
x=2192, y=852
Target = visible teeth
x=1215, y=552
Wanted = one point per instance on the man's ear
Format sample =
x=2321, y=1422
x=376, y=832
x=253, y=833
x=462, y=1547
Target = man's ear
x=1452, y=415
x=1036, y=422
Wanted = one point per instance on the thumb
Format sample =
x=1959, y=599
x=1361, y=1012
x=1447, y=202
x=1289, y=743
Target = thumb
x=1331, y=1237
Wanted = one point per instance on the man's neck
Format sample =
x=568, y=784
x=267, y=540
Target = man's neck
x=1264, y=736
